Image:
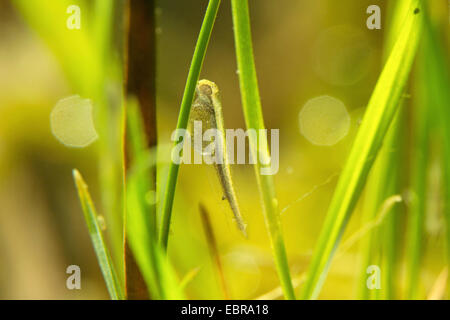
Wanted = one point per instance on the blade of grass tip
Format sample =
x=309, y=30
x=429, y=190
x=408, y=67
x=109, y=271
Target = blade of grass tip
x=189, y=277
x=277, y=292
x=251, y=105
x=381, y=109
x=213, y=250
x=103, y=256
x=383, y=212
x=437, y=84
x=380, y=247
x=186, y=102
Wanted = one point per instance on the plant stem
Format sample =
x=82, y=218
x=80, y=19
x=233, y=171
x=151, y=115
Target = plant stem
x=185, y=108
x=251, y=104
x=140, y=83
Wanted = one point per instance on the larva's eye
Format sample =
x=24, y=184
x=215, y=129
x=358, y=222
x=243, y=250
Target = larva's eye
x=205, y=89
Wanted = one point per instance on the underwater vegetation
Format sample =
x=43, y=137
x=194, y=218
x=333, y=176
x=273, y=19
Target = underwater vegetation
x=319, y=170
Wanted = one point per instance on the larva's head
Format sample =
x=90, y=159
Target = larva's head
x=203, y=109
x=207, y=88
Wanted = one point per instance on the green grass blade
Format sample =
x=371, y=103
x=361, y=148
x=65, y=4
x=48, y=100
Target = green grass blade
x=137, y=152
x=186, y=102
x=135, y=143
x=251, y=104
x=103, y=256
x=416, y=214
x=437, y=84
x=380, y=247
x=156, y=270
x=140, y=222
x=381, y=109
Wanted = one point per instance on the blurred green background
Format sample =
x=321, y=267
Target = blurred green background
x=303, y=49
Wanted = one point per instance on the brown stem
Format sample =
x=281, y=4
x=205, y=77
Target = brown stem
x=140, y=82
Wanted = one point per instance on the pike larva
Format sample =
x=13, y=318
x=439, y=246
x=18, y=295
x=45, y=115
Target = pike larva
x=207, y=108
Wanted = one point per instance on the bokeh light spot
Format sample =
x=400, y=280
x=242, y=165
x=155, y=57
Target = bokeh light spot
x=324, y=121
x=72, y=123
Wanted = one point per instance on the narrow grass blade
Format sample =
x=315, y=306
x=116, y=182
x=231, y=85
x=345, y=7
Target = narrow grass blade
x=418, y=189
x=134, y=148
x=251, y=104
x=188, y=98
x=437, y=87
x=381, y=109
x=156, y=270
x=383, y=212
x=381, y=246
x=140, y=221
x=103, y=256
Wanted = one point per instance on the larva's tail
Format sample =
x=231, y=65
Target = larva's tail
x=224, y=174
